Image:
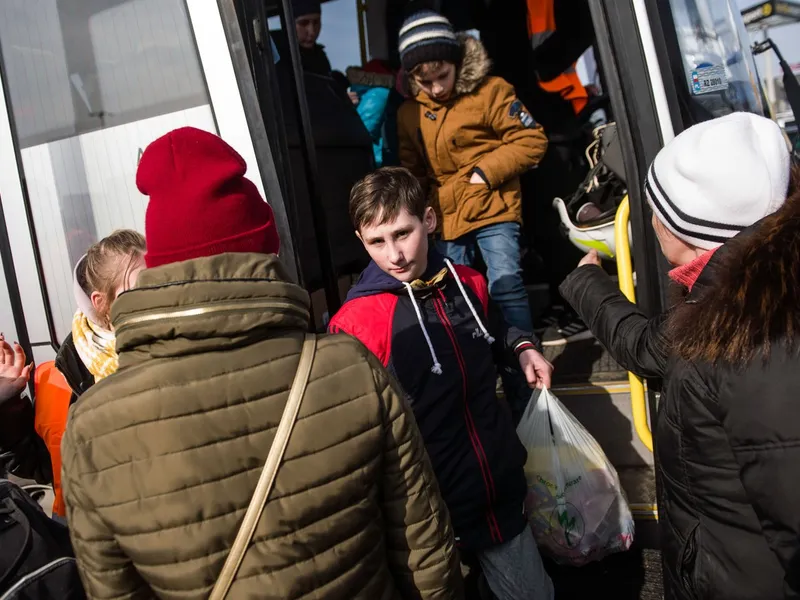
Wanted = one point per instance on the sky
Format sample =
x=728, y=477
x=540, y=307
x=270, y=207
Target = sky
x=340, y=35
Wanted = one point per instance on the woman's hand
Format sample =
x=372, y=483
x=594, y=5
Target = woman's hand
x=591, y=258
x=14, y=373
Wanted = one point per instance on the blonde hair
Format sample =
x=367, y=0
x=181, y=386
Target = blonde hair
x=108, y=264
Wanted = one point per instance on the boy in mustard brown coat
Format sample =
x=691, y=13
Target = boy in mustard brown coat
x=468, y=138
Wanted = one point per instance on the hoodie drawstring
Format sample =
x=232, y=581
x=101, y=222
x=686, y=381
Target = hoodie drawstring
x=481, y=331
x=436, y=369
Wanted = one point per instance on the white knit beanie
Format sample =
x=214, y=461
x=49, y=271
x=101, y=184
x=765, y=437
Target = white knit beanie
x=719, y=177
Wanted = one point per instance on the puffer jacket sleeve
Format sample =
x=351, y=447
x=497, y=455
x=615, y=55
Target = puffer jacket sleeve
x=759, y=415
x=106, y=572
x=420, y=544
x=634, y=341
x=524, y=141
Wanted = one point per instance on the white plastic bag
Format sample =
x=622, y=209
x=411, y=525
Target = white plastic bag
x=575, y=504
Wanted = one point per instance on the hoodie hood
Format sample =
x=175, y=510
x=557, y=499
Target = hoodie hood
x=375, y=281
x=82, y=299
x=474, y=68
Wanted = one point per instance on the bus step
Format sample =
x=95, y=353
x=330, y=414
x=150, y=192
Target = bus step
x=583, y=362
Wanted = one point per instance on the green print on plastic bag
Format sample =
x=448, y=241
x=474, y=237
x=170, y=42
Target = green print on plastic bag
x=570, y=528
x=567, y=524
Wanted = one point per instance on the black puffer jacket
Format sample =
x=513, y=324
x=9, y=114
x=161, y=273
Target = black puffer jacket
x=72, y=368
x=728, y=429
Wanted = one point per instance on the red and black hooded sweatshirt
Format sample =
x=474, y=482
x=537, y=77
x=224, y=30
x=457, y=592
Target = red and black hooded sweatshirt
x=431, y=336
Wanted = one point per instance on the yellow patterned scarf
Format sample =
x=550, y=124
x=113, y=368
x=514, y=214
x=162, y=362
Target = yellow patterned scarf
x=419, y=284
x=95, y=346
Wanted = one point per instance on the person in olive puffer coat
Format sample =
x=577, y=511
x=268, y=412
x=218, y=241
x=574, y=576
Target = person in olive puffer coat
x=727, y=434
x=161, y=459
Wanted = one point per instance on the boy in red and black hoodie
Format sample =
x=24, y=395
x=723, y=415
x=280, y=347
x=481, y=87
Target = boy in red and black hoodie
x=431, y=323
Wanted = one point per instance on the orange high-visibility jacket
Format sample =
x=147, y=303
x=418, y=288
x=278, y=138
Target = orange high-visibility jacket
x=541, y=25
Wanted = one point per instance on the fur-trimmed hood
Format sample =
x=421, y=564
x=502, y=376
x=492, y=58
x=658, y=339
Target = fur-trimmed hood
x=746, y=299
x=474, y=68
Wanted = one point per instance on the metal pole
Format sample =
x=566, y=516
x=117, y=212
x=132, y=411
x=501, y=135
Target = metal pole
x=361, y=9
x=309, y=152
x=266, y=160
x=769, y=75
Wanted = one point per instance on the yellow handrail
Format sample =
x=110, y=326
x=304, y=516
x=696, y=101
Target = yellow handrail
x=625, y=274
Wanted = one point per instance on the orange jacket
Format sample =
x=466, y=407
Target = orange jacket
x=52, y=394
x=542, y=24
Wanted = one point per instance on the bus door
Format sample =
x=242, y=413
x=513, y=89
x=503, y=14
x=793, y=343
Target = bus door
x=86, y=85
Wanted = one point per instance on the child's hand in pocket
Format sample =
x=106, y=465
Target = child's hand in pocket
x=477, y=179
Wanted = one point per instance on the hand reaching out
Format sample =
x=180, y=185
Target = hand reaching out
x=538, y=371
x=591, y=258
x=14, y=373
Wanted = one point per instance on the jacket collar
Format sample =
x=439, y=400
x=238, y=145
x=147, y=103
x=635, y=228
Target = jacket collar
x=374, y=281
x=206, y=304
x=688, y=274
x=474, y=68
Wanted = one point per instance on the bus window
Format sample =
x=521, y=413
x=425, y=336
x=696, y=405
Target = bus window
x=719, y=69
x=91, y=83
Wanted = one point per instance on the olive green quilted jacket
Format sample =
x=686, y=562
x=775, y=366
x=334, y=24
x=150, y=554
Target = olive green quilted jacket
x=160, y=460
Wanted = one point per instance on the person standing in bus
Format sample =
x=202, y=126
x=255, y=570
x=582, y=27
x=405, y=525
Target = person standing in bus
x=308, y=25
x=161, y=459
x=727, y=436
x=432, y=324
x=467, y=138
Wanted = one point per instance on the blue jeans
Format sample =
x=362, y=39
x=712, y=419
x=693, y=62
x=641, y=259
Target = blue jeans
x=499, y=247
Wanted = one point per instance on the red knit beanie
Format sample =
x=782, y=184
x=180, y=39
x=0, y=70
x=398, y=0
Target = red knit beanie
x=201, y=204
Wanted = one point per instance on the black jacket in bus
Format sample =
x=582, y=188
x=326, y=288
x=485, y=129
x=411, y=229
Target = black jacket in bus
x=727, y=436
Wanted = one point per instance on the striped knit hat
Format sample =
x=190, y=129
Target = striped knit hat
x=427, y=36
x=719, y=177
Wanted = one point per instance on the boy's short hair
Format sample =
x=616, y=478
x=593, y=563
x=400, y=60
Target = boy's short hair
x=381, y=196
x=420, y=69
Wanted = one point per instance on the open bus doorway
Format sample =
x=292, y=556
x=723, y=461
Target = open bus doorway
x=703, y=53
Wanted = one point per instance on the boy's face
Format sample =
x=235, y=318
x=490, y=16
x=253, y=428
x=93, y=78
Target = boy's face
x=438, y=83
x=400, y=247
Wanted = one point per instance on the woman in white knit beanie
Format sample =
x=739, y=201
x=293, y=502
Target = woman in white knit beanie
x=727, y=433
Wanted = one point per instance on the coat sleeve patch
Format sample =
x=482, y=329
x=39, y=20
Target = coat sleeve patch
x=517, y=110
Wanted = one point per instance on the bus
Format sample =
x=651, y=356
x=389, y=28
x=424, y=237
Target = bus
x=87, y=84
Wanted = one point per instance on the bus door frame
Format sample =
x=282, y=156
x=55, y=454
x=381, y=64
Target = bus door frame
x=634, y=54
x=251, y=31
